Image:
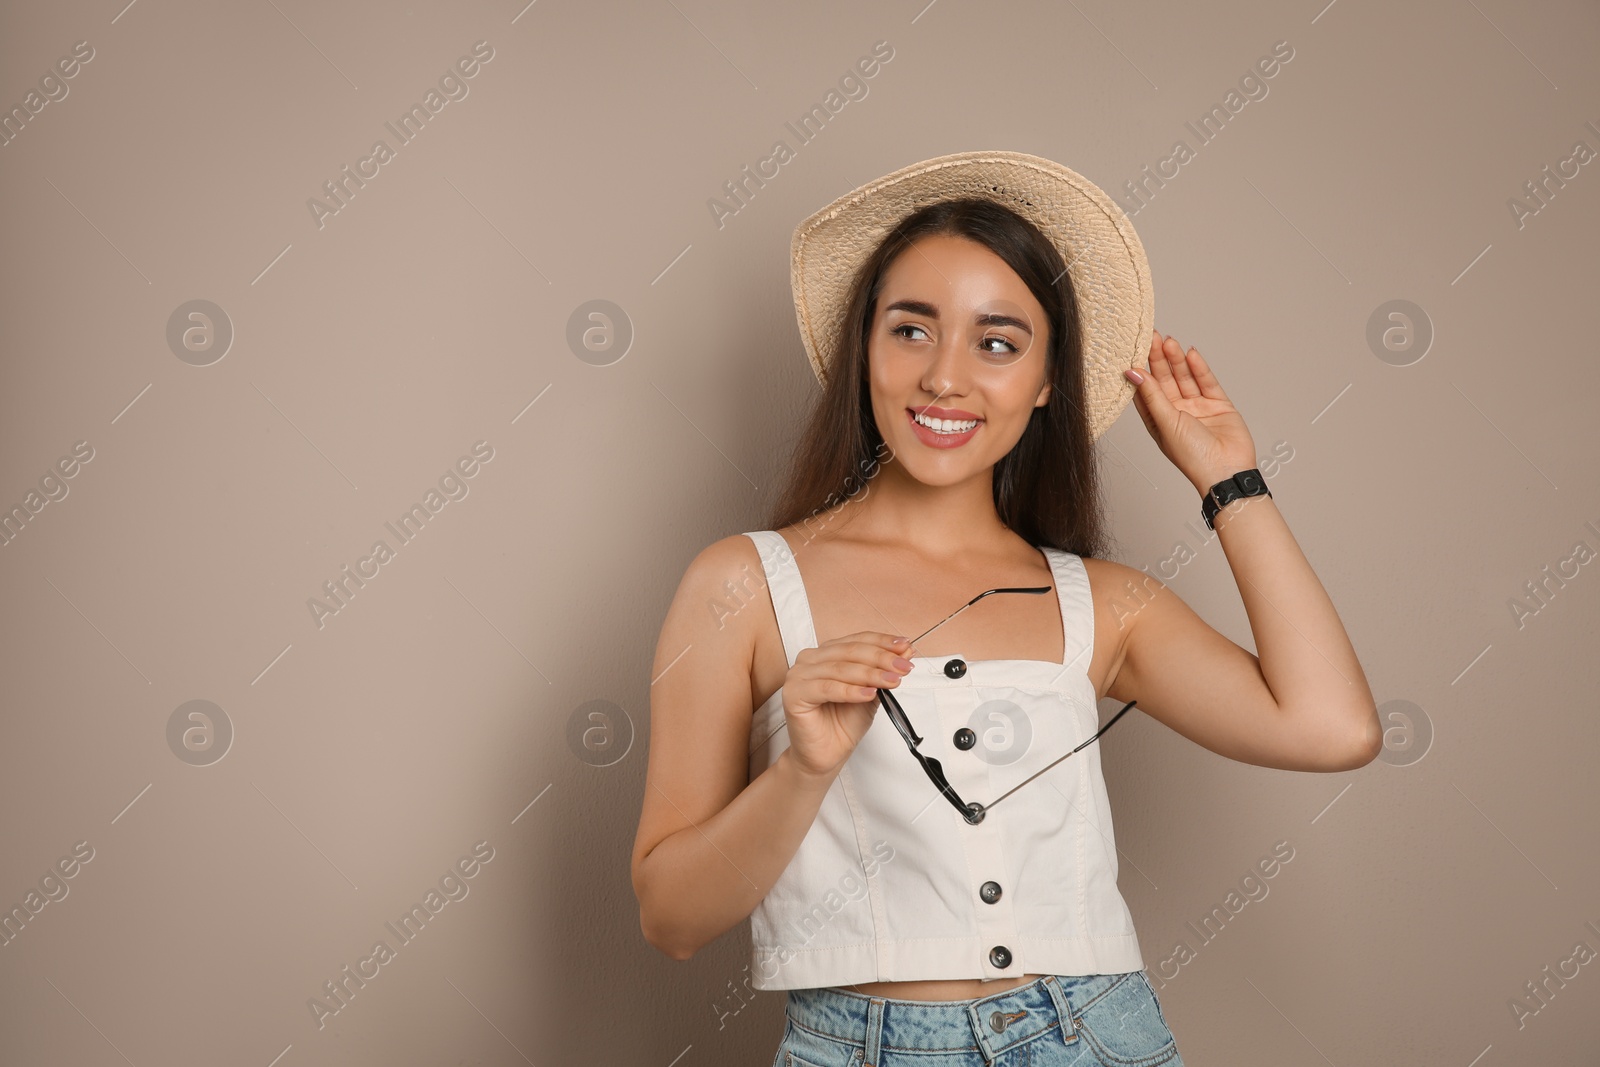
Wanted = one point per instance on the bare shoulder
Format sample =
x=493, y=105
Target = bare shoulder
x=1119, y=588
x=1110, y=580
x=1120, y=594
x=717, y=583
x=723, y=558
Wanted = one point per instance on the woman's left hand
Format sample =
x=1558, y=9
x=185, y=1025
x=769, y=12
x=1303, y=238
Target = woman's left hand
x=1192, y=420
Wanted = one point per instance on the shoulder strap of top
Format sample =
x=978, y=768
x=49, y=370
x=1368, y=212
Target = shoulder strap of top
x=788, y=592
x=1077, y=606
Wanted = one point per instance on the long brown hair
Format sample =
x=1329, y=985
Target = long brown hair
x=1046, y=488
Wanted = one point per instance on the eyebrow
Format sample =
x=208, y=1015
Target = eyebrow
x=992, y=318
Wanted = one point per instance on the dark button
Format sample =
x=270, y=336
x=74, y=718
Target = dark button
x=955, y=668
x=997, y=1021
x=1000, y=956
x=965, y=739
x=990, y=892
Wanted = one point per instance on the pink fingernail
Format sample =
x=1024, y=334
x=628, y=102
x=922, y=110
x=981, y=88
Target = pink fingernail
x=1133, y=376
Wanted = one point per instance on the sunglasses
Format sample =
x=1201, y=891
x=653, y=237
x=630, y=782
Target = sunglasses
x=973, y=812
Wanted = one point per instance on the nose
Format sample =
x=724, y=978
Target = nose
x=946, y=373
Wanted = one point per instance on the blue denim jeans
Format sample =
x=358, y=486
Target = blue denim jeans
x=1097, y=1020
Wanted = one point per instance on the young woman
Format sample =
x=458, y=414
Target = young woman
x=971, y=318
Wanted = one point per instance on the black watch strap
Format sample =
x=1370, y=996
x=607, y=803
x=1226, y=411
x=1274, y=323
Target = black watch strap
x=1243, y=484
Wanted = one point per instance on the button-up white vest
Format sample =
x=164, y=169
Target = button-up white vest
x=891, y=883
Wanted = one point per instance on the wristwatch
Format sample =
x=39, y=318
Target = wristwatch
x=1245, y=483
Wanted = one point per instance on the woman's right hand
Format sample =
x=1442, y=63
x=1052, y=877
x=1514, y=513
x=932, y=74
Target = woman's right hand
x=830, y=695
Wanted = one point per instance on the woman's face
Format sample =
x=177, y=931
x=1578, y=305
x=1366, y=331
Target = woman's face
x=956, y=335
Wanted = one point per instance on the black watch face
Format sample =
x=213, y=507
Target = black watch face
x=1249, y=481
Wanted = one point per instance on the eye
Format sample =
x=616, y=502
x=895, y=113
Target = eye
x=1009, y=350
x=905, y=326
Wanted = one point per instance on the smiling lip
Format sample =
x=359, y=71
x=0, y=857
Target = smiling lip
x=940, y=440
x=942, y=413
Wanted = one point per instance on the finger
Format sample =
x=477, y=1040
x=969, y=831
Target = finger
x=1144, y=412
x=1155, y=364
x=1161, y=368
x=1209, y=386
x=870, y=672
x=870, y=648
x=873, y=675
x=879, y=638
x=821, y=691
x=1155, y=406
x=861, y=662
x=876, y=639
x=1181, y=374
x=848, y=693
x=848, y=682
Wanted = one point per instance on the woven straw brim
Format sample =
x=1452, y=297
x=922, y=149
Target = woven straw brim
x=1104, y=257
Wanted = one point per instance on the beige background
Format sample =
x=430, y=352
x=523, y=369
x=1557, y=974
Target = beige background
x=433, y=712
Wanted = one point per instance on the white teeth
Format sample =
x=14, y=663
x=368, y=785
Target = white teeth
x=945, y=425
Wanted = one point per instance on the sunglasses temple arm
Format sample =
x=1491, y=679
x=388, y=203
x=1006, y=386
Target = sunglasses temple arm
x=1052, y=763
x=1107, y=726
x=974, y=600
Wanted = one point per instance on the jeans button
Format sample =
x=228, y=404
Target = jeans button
x=997, y=1022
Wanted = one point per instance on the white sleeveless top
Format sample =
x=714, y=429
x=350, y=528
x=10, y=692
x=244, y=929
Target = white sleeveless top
x=891, y=883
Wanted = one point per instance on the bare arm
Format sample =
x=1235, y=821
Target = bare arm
x=705, y=878
x=1303, y=705
x=711, y=843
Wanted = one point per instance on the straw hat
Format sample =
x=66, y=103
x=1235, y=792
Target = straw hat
x=1095, y=238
